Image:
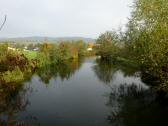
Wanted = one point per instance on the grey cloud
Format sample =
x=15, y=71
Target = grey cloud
x=87, y=18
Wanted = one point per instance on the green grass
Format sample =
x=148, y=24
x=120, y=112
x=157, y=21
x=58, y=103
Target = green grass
x=30, y=54
x=127, y=62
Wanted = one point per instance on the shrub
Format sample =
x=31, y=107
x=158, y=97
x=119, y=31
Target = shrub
x=108, y=47
x=13, y=76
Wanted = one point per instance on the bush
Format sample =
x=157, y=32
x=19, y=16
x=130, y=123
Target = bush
x=108, y=47
x=147, y=36
x=13, y=76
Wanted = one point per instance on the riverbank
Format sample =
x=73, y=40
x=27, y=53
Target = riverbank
x=18, y=65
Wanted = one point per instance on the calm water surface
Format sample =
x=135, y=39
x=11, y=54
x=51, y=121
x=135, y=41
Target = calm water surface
x=91, y=93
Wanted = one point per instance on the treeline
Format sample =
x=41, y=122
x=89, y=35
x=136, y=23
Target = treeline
x=58, y=53
x=144, y=41
x=18, y=64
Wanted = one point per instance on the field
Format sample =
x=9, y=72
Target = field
x=30, y=54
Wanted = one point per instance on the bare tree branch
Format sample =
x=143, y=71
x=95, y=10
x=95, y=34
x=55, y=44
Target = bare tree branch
x=3, y=22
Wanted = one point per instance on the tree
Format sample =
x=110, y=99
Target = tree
x=147, y=35
x=108, y=48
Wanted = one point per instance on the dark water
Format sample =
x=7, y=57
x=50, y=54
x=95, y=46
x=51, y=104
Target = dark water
x=92, y=93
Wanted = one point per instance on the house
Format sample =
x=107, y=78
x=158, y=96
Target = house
x=25, y=47
x=90, y=46
x=89, y=49
x=13, y=49
x=36, y=49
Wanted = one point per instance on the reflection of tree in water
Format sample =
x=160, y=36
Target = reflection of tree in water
x=64, y=70
x=132, y=104
x=105, y=70
x=135, y=106
x=13, y=102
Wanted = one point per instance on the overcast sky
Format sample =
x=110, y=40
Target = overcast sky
x=59, y=18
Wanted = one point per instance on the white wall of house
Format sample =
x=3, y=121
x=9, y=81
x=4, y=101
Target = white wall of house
x=89, y=49
x=10, y=48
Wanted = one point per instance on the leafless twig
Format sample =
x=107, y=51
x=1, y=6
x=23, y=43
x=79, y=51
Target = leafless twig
x=3, y=22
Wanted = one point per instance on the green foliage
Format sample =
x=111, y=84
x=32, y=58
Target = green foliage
x=147, y=36
x=31, y=46
x=15, y=67
x=42, y=59
x=108, y=45
x=58, y=53
x=30, y=54
x=81, y=47
x=19, y=45
x=18, y=65
x=3, y=51
x=13, y=76
x=14, y=59
x=3, y=48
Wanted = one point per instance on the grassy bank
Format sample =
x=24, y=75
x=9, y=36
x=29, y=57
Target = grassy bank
x=127, y=62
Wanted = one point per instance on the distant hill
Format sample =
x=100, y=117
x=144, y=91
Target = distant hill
x=44, y=39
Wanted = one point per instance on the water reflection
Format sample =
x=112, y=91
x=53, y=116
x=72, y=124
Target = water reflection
x=105, y=71
x=14, y=99
x=13, y=103
x=115, y=96
x=131, y=102
x=132, y=105
x=63, y=71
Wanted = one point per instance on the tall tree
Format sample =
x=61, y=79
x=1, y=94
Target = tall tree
x=147, y=34
x=107, y=48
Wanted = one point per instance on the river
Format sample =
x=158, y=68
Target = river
x=87, y=93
